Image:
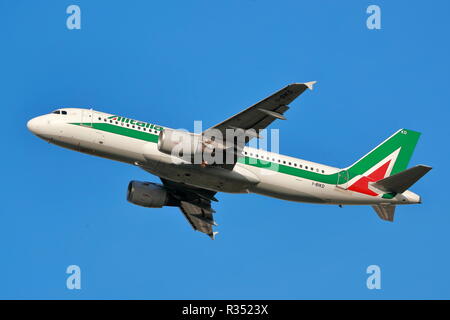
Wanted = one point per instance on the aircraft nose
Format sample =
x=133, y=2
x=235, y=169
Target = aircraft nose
x=32, y=125
x=37, y=125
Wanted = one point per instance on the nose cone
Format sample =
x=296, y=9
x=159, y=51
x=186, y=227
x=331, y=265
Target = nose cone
x=33, y=125
x=39, y=126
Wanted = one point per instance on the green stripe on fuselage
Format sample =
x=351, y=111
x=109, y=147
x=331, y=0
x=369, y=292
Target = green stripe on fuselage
x=123, y=131
x=276, y=167
x=268, y=165
x=306, y=174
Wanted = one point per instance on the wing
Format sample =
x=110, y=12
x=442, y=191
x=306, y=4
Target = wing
x=247, y=124
x=200, y=219
x=195, y=204
x=263, y=113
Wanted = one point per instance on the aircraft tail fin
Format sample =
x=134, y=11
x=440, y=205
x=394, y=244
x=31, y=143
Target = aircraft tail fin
x=385, y=212
x=402, y=181
x=388, y=158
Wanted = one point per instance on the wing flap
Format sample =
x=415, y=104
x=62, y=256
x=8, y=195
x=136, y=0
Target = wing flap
x=200, y=219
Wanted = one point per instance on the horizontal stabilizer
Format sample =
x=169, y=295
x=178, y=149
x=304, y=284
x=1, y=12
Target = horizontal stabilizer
x=400, y=182
x=385, y=212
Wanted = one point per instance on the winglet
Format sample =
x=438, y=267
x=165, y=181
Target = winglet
x=310, y=84
x=213, y=235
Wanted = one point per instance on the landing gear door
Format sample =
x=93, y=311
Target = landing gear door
x=342, y=180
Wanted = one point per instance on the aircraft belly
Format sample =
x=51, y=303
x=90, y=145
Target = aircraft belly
x=211, y=178
x=287, y=188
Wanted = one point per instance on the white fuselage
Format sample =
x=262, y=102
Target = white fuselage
x=93, y=132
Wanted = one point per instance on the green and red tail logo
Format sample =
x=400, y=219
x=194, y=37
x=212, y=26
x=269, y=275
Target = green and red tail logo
x=390, y=157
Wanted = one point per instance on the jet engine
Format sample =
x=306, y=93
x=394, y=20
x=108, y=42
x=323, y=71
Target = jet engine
x=191, y=147
x=179, y=143
x=149, y=195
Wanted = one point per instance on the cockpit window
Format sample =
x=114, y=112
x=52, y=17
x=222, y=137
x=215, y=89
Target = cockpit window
x=59, y=112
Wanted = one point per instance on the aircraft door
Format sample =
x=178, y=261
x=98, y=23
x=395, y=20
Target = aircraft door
x=342, y=179
x=86, y=117
x=98, y=135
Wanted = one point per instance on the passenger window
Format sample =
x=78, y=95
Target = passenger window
x=323, y=171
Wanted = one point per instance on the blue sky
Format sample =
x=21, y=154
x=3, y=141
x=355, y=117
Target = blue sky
x=173, y=62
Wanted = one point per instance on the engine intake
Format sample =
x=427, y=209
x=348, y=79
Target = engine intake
x=149, y=195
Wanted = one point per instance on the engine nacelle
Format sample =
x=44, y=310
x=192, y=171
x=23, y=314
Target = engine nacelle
x=179, y=143
x=148, y=194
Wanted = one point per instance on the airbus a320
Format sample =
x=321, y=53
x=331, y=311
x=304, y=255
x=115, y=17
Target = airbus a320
x=380, y=179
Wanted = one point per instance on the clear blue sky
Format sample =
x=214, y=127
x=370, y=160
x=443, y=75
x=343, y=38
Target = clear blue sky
x=173, y=62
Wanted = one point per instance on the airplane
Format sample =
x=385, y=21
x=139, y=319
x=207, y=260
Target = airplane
x=379, y=179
